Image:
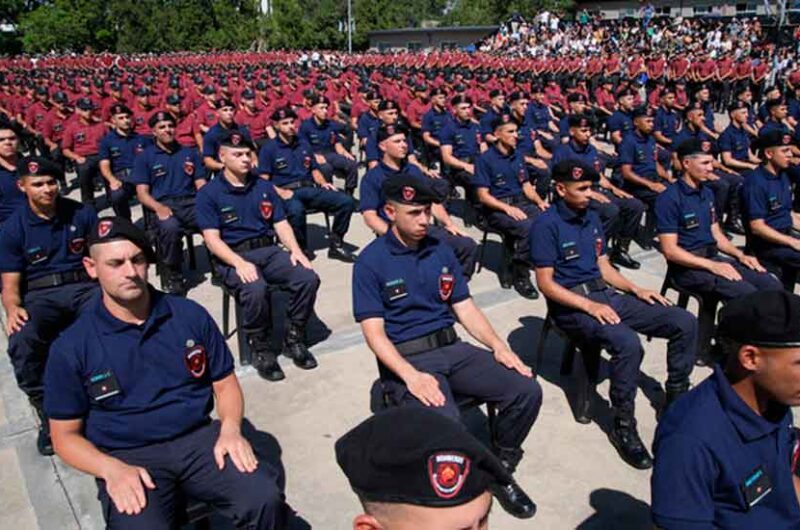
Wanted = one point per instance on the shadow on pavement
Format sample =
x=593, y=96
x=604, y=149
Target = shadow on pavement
x=615, y=509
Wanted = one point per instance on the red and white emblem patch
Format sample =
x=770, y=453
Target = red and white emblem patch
x=188, y=167
x=787, y=139
x=33, y=168
x=77, y=245
x=705, y=146
x=598, y=246
x=104, y=227
x=577, y=173
x=448, y=472
x=408, y=193
x=236, y=139
x=446, y=283
x=196, y=360
x=307, y=162
x=266, y=209
x=597, y=166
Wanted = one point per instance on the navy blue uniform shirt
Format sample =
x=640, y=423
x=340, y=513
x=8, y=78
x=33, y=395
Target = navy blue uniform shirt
x=640, y=153
x=373, y=152
x=538, y=115
x=137, y=385
x=769, y=197
x=434, y=121
x=239, y=213
x=737, y=141
x=463, y=137
x=572, y=151
x=620, y=121
x=502, y=174
x=214, y=135
x=713, y=453
x=410, y=289
x=286, y=163
x=772, y=125
x=688, y=212
x=321, y=137
x=687, y=133
x=169, y=173
x=367, y=124
x=10, y=196
x=38, y=247
x=371, y=193
x=568, y=241
x=667, y=122
x=487, y=119
x=120, y=150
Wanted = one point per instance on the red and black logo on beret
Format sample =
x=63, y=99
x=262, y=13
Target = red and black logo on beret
x=104, y=227
x=236, y=139
x=786, y=139
x=705, y=146
x=195, y=359
x=448, y=472
x=408, y=193
x=577, y=173
x=33, y=168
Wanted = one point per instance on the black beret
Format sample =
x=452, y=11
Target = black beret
x=276, y=82
x=438, y=91
x=669, y=89
x=248, y=94
x=173, y=99
x=387, y=104
x=387, y=131
x=694, y=146
x=209, y=89
x=772, y=103
x=116, y=228
x=642, y=111
x=576, y=97
x=60, y=97
x=422, y=87
x=221, y=103
x=411, y=189
x=626, y=92
x=500, y=120
x=38, y=166
x=773, y=138
x=537, y=88
x=161, y=115
x=517, y=95
x=142, y=91
x=701, y=86
x=261, y=86
x=282, y=113
x=234, y=138
x=737, y=105
x=776, y=315
x=579, y=120
x=85, y=104
x=574, y=170
x=372, y=95
x=119, y=108
x=41, y=90
x=414, y=455
x=459, y=99
x=116, y=87
x=319, y=100
x=495, y=93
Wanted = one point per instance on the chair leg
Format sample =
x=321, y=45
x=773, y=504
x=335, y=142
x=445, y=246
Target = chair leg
x=491, y=414
x=245, y=355
x=567, y=358
x=327, y=222
x=226, y=314
x=190, y=252
x=481, y=251
x=706, y=318
x=540, y=348
x=683, y=300
x=587, y=383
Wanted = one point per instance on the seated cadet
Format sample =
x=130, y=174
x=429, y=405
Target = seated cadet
x=388, y=114
x=767, y=207
x=322, y=136
x=592, y=302
x=226, y=111
x=290, y=165
x=129, y=388
x=724, y=182
x=81, y=144
x=407, y=480
x=734, y=142
x=511, y=203
x=240, y=215
x=408, y=291
x=118, y=149
x=44, y=286
x=11, y=197
x=167, y=177
x=691, y=238
x=620, y=123
x=392, y=143
x=727, y=452
x=498, y=106
x=368, y=121
x=460, y=141
x=620, y=212
x=667, y=120
x=433, y=122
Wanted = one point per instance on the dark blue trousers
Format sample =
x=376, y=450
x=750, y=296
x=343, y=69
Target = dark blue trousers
x=516, y=231
x=185, y=467
x=465, y=370
x=706, y=283
x=50, y=311
x=620, y=217
x=338, y=164
x=677, y=325
x=337, y=203
x=465, y=248
x=275, y=268
x=170, y=231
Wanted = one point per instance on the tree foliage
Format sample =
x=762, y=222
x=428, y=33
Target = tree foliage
x=164, y=25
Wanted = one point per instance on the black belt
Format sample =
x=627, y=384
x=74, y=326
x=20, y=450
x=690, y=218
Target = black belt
x=297, y=184
x=254, y=243
x=437, y=339
x=708, y=251
x=589, y=287
x=56, y=279
x=512, y=200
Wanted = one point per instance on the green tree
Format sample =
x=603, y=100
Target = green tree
x=67, y=25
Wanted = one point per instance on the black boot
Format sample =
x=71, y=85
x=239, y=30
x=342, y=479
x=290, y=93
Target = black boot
x=43, y=442
x=673, y=393
x=265, y=360
x=172, y=281
x=295, y=349
x=336, y=250
x=733, y=223
x=511, y=496
x=625, y=438
x=522, y=282
x=620, y=256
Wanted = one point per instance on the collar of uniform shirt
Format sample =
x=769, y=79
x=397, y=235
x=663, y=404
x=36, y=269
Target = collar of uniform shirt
x=569, y=214
x=109, y=324
x=426, y=244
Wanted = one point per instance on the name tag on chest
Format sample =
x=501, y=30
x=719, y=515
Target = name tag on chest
x=395, y=289
x=756, y=486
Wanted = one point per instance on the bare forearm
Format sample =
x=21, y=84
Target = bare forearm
x=286, y=236
x=476, y=324
x=385, y=351
x=78, y=452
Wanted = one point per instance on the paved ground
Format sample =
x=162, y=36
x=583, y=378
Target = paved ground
x=570, y=470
